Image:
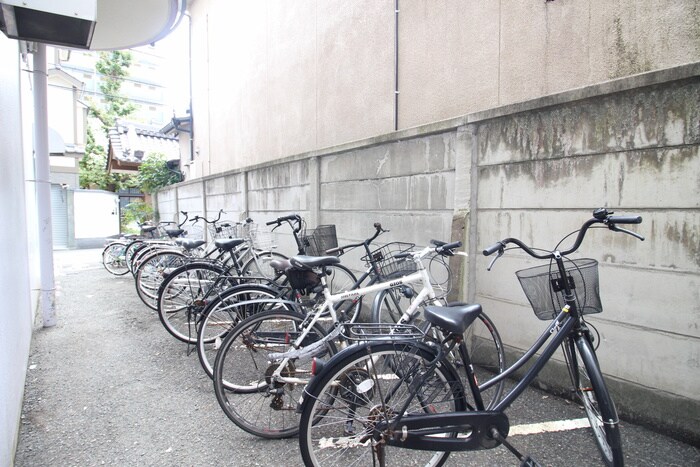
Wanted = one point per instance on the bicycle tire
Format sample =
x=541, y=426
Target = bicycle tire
x=131, y=250
x=114, y=258
x=345, y=400
x=148, y=249
x=592, y=392
x=257, y=404
x=258, y=265
x=182, y=297
x=151, y=272
x=341, y=279
x=484, y=343
x=222, y=314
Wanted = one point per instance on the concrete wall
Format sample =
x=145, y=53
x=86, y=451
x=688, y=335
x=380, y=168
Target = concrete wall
x=294, y=77
x=636, y=151
x=16, y=308
x=535, y=171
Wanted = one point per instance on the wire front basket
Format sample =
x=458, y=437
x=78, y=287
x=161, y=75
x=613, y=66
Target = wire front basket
x=193, y=231
x=320, y=239
x=544, y=287
x=222, y=229
x=262, y=239
x=390, y=266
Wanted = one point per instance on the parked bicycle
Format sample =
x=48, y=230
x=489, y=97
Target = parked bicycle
x=117, y=253
x=184, y=294
x=399, y=390
x=223, y=312
x=265, y=361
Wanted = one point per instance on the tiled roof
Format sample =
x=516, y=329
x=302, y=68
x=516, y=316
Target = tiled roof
x=131, y=142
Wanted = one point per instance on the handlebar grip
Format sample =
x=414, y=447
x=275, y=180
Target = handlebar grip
x=448, y=246
x=625, y=219
x=492, y=249
x=272, y=222
x=331, y=251
x=437, y=242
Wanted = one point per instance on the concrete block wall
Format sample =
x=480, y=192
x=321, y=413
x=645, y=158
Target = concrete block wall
x=540, y=174
x=534, y=171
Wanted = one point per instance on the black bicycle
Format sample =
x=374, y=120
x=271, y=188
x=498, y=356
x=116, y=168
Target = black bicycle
x=400, y=390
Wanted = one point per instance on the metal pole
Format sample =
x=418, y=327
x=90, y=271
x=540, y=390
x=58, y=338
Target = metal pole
x=43, y=188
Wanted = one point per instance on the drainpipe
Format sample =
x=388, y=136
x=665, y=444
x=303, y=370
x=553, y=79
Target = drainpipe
x=43, y=188
x=396, y=65
x=189, y=40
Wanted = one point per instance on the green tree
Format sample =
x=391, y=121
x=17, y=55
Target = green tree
x=155, y=174
x=133, y=214
x=114, y=67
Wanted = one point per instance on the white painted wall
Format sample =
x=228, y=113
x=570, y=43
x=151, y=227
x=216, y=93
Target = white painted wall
x=16, y=312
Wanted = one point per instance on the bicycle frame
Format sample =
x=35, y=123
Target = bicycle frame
x=565, y=326
x=328, y=305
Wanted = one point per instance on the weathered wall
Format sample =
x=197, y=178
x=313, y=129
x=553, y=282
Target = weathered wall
x=638, y=151
x=292, y=77
x=533, y=171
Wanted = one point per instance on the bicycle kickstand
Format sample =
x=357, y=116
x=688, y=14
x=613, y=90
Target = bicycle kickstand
x=525, y=460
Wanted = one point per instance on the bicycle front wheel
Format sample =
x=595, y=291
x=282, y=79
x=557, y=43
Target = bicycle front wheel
x=183, y=295
x=151, y=272
x=341, y=279
x=259, y=264
x=266, y=388
x=594, y=396
x=369, y=384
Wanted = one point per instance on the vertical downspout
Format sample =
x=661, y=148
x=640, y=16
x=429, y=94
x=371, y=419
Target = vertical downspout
x=396, y=65
x=43, y=187
x=189, y=52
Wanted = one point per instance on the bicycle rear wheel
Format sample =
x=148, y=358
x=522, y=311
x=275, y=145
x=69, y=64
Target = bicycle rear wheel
x=483, y=340
x=114, y=258
x=370, y=384
x=224, y=313
x=594, y=396
x=341, y=279
x=261, y=404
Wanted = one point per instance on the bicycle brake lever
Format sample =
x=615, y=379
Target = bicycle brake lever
x=615, y=228
x=493, y=261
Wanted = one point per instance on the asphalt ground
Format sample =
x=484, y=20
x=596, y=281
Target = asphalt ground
x=109, y=386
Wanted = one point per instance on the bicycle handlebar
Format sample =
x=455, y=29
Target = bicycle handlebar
x=439, y=247
x=197, y=218
x=365, y=243
x=600, y=216
x=290, y=218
